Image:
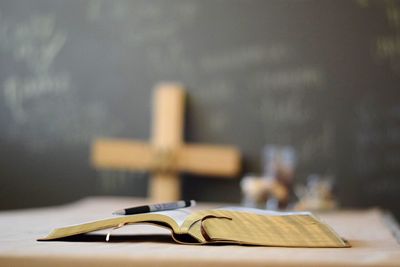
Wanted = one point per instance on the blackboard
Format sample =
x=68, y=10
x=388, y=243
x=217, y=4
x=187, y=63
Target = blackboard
x=321, y=76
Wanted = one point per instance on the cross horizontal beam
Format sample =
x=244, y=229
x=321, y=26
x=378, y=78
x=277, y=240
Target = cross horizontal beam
x=123, y=154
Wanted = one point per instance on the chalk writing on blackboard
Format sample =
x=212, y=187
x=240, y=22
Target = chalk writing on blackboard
x=215, y=96
x=151, y=27
x=139, y=11
x=42, y=100
x=35, y=43
x=377, y=137
x=169, y=60
x=289, y=110
x=19, y=92
x=215, y=91
x=240, y=58
x=143, y=22
x=386, y=47
x=298, y=78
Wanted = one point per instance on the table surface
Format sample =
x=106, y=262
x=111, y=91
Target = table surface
x=372, y=241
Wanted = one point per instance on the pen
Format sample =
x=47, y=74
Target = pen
x=156, y=207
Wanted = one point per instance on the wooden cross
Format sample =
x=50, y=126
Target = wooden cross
x=167, y=154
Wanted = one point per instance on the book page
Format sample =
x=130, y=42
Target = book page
x=178, y=215
x=291, y=230
x=195, y=216
x=267, y=212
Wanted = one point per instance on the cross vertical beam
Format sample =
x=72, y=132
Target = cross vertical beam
x=167, y=138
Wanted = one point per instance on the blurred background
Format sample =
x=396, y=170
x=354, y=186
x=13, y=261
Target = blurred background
x=321, y=77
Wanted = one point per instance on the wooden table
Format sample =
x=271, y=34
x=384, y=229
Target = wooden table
x=373, y=243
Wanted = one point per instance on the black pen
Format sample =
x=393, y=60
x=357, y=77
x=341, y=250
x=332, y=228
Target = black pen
x=156, y=207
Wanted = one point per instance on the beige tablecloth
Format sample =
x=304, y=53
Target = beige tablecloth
x=144, y=245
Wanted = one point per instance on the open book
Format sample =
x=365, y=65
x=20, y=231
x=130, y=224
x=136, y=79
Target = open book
x=227, y=225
